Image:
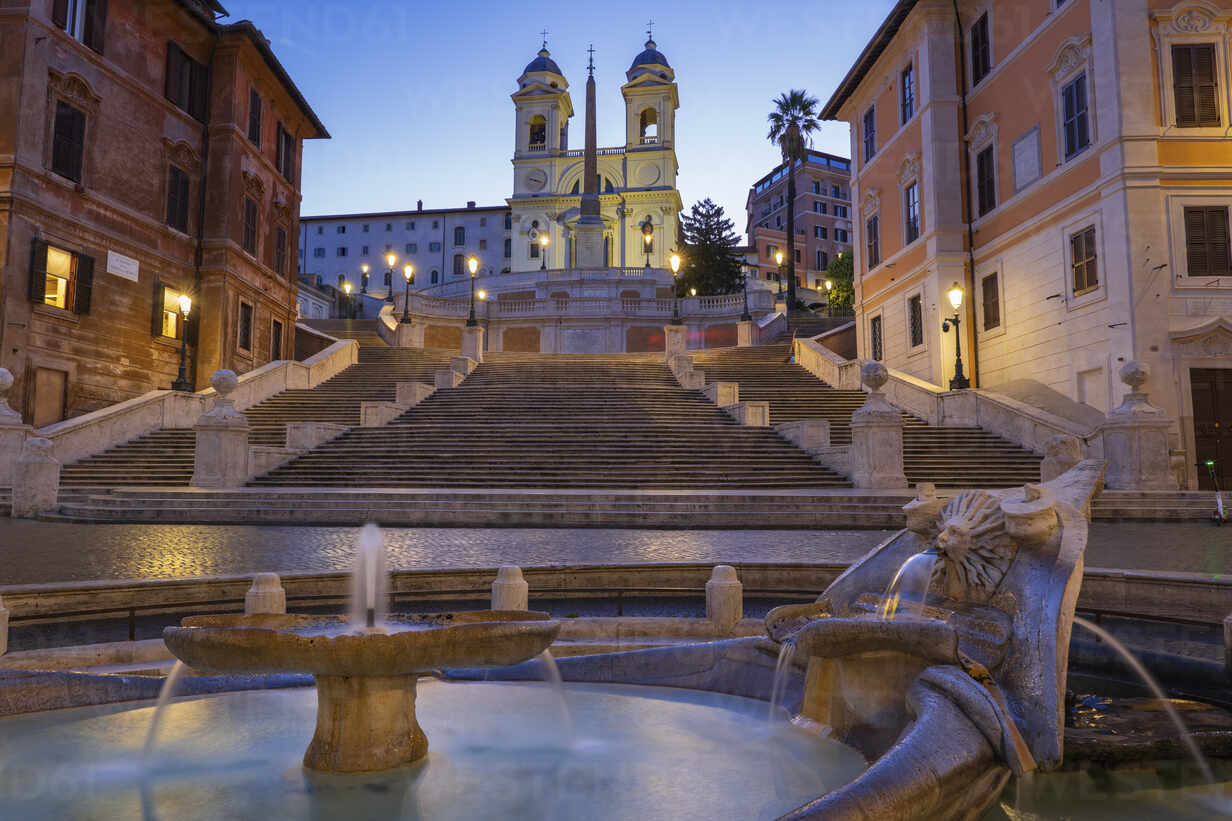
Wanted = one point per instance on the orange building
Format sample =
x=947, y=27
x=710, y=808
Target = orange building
x=1067, y=163
x=147, y=151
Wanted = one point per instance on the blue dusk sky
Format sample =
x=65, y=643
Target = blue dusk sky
x=416, y=94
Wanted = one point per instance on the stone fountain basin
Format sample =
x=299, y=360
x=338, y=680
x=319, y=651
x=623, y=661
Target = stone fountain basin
x=327, y=646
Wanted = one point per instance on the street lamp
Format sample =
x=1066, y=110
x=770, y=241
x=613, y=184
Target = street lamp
x=674, y=261
x=363, y=287
x=346, y=289
x=956, y=297
x=778, y=259
x=829, y=288
x=390, y=260
x=408, y=273
x=473, y=265
x=181, y=382
x=647, y=238
x=692, y=292
x=543, y=251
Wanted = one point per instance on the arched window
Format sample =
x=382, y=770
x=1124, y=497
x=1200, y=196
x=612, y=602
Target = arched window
x=436, y=276
x=577, y=187
x=458, y=264
x=650, y=126
x=538, y=136
x=459, y=236
x=607, y=186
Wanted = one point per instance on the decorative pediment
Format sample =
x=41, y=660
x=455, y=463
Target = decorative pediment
x=1072, y=55
x=282, y=207
x=1192, y=17
x=1211, y=338
x=983, y=131
x=253, y=186
x=73, y=89
x=181, y=154
x=909, y=168
x=871, y=203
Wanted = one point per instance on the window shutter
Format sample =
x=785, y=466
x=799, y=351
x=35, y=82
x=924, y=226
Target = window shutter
x=1217, y=240
x=199, y=104
x=156, y=310
x=96, y=24
x=175, y=62
x=59, y=13
x=1195, y=242
x=84, y=285
x=38, y=271
x=1206, y=103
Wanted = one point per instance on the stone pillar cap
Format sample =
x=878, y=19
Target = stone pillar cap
x=509, y=573
x=874, y=374
x=723, y=573
x=224, y=381
x=1135, y=373
x=266, y=582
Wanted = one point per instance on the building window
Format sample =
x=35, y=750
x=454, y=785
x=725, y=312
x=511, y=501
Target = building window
x=915, y=320
x=61, y=278
x=254, y=117
x=483, y=221
x=819, y=232
x=68, y=142
x=244, y=336
x=819, y=207
x=166, y=321
x=870, y=133
x=911, y=213
x=434, y=247
x=534, y=250
x=436, y=276
x=797, y=255
x=816, y=187
x=412, y=247
x=363, y=250
x=1206, y=241
x=906, y=92
x=872, y=229
x=458, y=264
x=389, y=226
x=840, y=211
x=84, y=20
x=187, y=83
x=822, y=260
x=874, y=338
x=841, y=235
x=280, y=251
x=985, y=181
x=436, y=224
x=1077, y=124
x=981, y=50
x=459, y=236
x=250, y=226
x=365, y=228
x=508, y=221
x=483, y=245
x=318, y=252
x=508, y=247
x=1083, y=261
x=778, y=221
x=410, y=225
x=285, y=161
x=342, y=251
x=1194, y=86
x=990, y=293
x=341, y=229
x=276, y=341
x=177, y=199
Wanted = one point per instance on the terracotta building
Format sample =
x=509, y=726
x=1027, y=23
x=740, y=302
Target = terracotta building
x=154, y=153
x=1066, y=162
x=823, y=219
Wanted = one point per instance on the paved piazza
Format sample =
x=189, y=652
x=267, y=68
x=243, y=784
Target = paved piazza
x=40, y=552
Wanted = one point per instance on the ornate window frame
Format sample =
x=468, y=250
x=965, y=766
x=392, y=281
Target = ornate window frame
x=995, y=268
x=1093, y=218
x=72, y=89
x=922, y=348
x=983, y=134
x=1073, y=58
x=908, y=175
x=1178, y=252
x=182, y=155
x=1193, y=22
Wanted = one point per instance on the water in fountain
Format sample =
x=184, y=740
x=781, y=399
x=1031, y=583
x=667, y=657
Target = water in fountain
x=778, y=688
x=1157, y=691
x=907, y=591
x=369, y=580
x=164, y=696
x=551, y=674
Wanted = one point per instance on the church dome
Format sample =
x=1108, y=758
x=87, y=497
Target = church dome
x=650, y=57
x=543, y=62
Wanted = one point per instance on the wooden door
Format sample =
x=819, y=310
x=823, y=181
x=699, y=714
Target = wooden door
x=1212, y=404
x=50, y=392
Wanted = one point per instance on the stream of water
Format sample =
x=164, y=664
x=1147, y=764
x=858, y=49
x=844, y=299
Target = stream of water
x=909, y=587
x=164, y=696
x=782, y=669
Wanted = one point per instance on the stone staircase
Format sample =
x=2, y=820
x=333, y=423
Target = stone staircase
x=949, y=457
x=560, y=421
x=361, y=330
x=164, y=458
x=807, y=325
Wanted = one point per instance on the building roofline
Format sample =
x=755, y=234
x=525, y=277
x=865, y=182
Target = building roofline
x=871, y=53
x=429, y=211
x=246, y=27
x=783, y=165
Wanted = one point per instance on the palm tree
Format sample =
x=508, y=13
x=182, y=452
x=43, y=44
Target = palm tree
x=792, y=123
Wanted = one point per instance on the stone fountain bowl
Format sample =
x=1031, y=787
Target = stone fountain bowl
x=365, y=677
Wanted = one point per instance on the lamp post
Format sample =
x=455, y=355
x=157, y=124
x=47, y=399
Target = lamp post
x=778, y=259
x=744, y=288
x=473, y=265
x=829, y=287
x=363, y=282
x=955, y=294
x=543, y=252
x=483, y=297
x=181, y=381
x=675, y=263
x=408, y=273
x=390, y=260
x=647, y=238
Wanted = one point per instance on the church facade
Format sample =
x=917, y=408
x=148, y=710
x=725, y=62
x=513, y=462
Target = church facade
x=636, y=181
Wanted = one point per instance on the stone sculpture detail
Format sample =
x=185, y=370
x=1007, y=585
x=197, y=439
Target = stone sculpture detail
x=974, y=545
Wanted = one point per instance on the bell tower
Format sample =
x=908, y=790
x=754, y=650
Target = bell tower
x=542, y=109
x=651, y=100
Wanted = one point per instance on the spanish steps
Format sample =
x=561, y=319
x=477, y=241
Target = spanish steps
x=949, y=457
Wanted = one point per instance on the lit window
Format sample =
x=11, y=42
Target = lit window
x=60, y=268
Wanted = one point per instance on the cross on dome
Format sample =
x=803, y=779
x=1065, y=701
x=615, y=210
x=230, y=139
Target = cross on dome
x=650, y=29
x=591, y=65
x=545, y=37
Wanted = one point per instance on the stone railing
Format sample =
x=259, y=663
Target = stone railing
x=730, y=305
x=95, y=432
x=771, y=325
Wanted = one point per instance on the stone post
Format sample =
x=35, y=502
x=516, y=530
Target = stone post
x=472, y=342
x=1136, y=439
x=1227, y=645
x=877, y=436
x=266, y=596
x=510, y=591
x=36, y=486
x=409, y=335
x=221, y=458
x=675, y=341
x=12, y=432
x=745, y=333
x=4, y=629
x=1061, y=453
x=724, y=599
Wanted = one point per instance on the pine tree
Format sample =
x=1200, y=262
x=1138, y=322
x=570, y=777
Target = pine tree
x=710, y=263
x=842, y=295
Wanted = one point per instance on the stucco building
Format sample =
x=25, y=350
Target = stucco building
x=150, y=151
x=1067, y=163
x=823, y=217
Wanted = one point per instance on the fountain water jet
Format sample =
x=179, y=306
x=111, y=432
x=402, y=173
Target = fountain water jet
x=778, y=687
x=369, y=579
x=910, y=584
x=164, y=697
x=551, y=674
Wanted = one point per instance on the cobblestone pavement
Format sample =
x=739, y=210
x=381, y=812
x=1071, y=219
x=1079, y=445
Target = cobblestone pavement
x=39, y=552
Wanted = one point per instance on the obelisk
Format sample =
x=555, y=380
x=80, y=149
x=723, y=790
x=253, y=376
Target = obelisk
x=588, y=230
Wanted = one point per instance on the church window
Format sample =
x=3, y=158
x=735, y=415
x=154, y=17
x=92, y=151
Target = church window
x=459, y=235
x=649, y=126
x=436, y=276
x=534, y=250
x=458, y=260
x=508, y=247
x=577, y=187
x=538, y=135
x=508, y=221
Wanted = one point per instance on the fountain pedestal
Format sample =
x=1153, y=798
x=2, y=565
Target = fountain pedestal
x=365, y=724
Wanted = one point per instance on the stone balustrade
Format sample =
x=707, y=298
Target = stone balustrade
x=750, y=414
x=876, y=453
